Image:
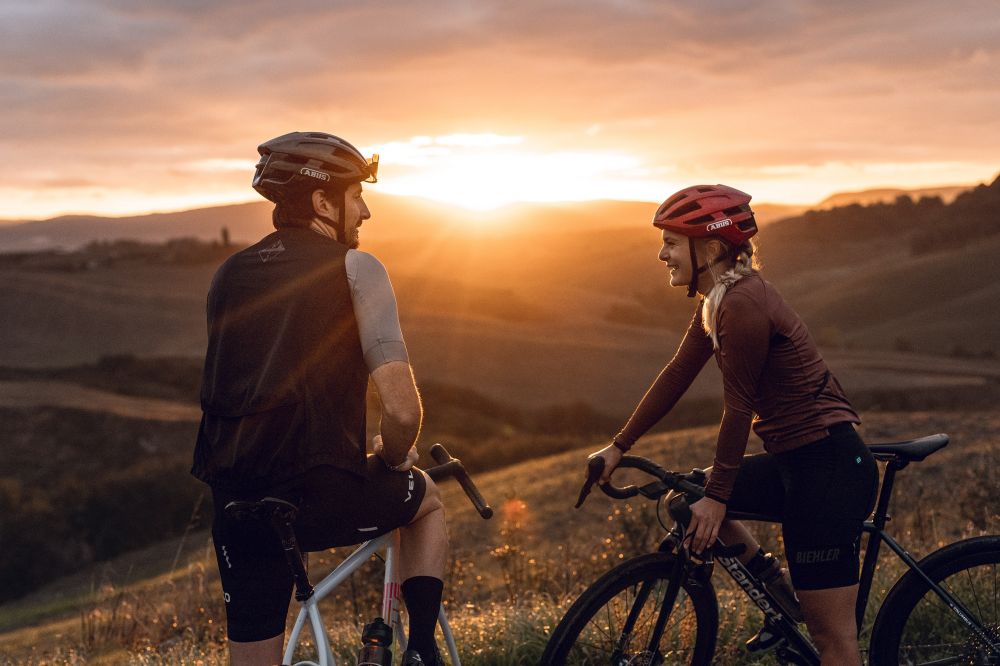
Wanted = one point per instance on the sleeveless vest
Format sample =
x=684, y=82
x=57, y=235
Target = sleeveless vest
x=284, y=383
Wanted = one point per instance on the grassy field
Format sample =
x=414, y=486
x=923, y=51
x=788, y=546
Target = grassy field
x=510, y=579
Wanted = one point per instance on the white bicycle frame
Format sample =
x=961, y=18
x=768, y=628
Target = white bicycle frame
x=309, y=612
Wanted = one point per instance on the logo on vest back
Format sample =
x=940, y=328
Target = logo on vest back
x=269, y=253
x=312, y=173
x=718, y=225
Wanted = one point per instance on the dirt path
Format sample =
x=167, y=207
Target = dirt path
x=46, y=393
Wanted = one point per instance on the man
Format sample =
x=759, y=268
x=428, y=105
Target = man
x=296, y=324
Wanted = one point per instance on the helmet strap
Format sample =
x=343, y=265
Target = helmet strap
x=339, y=223
x=696, y=270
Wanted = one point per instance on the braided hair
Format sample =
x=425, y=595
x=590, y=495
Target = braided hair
x=745, y=264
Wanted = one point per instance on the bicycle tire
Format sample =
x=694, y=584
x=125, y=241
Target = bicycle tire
x=914, y=626
x=587, y=633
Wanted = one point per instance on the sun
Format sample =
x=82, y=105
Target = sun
x=488, y=171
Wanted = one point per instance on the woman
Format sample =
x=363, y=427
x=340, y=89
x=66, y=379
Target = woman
x=816, y=473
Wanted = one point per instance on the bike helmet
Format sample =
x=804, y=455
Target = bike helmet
x=298, y=157
x=706, y=211
x=296, y=161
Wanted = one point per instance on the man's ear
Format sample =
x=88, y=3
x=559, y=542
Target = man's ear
x=322, y=206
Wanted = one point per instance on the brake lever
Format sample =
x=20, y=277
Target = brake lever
x=595, y=467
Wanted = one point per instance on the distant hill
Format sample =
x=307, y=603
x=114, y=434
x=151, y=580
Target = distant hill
x=408, y=217
x=947, y=193
x=552, y=313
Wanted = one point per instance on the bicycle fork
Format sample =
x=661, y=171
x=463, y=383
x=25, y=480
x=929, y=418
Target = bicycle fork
x=666, y=607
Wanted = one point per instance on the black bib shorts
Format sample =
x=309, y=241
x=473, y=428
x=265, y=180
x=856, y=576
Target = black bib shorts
x=822, y=492
x=336, y=508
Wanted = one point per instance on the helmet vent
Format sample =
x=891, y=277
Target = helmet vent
x=672, y=200
x=701, y=219
x=736, y=209
x=706, y=189
x=747, y=225
x=685, y=209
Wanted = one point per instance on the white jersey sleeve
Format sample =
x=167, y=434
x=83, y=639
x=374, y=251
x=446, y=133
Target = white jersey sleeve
x=375, y=310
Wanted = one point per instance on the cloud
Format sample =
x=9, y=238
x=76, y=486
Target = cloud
x=131, y=94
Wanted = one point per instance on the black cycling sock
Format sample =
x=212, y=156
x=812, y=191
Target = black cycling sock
x=422, y=595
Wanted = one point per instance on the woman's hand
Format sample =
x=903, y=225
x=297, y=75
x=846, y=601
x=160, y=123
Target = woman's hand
x=612, y=456
x=706, y=518
x=411, y=456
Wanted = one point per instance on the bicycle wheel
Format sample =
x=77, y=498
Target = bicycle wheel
x=914, y=626
x=615, y=620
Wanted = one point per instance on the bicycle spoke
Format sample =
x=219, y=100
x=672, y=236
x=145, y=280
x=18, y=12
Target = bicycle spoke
x=606, y=633
x=975, y=593
x=934, y=634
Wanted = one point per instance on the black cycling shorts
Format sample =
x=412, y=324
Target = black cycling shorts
x=336, y=508
x=822, y=492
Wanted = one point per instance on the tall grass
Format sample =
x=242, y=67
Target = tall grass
x=510, y=582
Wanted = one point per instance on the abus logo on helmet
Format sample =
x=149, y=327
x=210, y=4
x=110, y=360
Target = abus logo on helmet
x=718, y=225
x=306, y=171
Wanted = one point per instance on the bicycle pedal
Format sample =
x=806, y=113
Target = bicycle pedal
x=765, y=641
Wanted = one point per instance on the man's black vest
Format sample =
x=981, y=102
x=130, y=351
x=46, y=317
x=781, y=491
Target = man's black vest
x=284, y=384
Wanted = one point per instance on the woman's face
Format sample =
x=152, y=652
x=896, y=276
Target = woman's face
x=677, y=256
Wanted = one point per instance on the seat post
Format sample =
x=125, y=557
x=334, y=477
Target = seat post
x=882, y=507
x=281, y=521
x=880, y=518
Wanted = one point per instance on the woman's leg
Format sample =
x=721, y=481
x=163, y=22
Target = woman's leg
x=832, y=486
x=734, y=532
x=758, y=489
x=830, y=617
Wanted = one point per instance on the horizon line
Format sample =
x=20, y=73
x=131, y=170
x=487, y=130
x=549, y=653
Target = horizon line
x=222, y=203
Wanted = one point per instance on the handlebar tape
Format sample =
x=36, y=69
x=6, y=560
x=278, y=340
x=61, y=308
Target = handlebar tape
x=450, y=466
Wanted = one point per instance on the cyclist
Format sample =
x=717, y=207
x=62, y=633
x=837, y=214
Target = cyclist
x=816, y=473
x=296, y=325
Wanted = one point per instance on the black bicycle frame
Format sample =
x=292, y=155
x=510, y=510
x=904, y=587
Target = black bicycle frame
x=876, y=535
x=753, y=588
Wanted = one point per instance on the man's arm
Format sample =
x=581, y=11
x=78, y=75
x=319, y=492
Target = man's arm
x=402, y=413
x=386, y=357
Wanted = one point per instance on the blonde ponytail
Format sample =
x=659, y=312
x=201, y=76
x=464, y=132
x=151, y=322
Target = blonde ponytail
x=745, y=265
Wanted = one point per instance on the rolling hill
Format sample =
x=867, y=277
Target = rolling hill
x=552, y=306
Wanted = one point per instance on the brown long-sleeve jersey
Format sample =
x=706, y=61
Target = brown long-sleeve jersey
x=773, y=377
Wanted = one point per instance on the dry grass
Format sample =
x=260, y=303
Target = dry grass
x=511, y=579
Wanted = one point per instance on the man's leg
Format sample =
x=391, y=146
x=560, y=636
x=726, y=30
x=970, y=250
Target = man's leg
x=423, y=551
x=257, y=653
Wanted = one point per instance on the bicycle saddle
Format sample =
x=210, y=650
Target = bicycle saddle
x=263, y=509
x=912, y=450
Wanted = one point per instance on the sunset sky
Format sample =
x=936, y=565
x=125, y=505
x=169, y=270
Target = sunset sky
x=124, y=106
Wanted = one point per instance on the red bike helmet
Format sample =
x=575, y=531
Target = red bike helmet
x=706, y=211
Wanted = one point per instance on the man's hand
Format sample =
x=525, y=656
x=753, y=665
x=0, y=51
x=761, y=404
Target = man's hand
x=612, y=456
x=411, y=456
x=706, y=517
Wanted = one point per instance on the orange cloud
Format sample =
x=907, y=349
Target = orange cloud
x=137, y=98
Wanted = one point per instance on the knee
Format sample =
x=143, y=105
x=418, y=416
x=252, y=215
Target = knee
x=833, y=637
x=432, y=496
